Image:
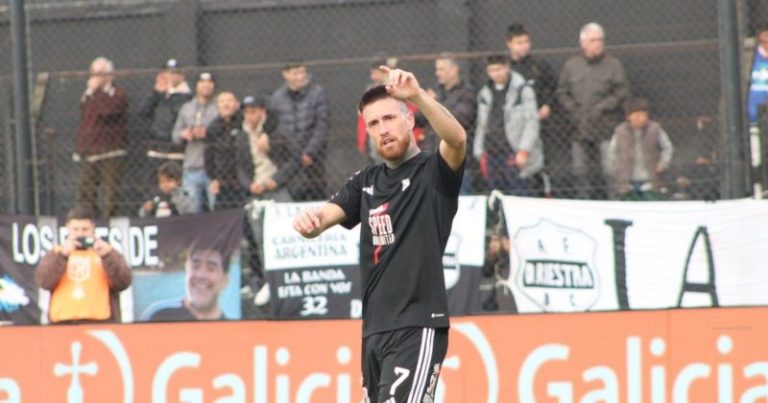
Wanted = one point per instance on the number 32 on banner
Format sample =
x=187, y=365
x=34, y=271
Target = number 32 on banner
x=314, y=306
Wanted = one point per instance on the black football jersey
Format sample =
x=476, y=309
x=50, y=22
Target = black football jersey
x=406, y=215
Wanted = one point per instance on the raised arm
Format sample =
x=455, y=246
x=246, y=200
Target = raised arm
x=313, y=222
x=403, y=85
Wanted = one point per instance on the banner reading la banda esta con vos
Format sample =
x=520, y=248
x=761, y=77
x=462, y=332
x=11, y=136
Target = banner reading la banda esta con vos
x=686, y=355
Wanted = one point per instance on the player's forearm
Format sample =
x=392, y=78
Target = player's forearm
x=442, y=121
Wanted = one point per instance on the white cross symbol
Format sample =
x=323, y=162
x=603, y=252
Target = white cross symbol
x=75, y=392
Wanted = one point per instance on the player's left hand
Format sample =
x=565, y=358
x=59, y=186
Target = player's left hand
x=401, y=84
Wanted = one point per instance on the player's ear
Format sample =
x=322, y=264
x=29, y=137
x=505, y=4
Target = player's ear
x=410, y=120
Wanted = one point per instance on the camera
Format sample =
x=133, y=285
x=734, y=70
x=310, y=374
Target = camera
x=84, y=242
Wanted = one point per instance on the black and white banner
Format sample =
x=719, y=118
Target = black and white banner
x=321, y=277
x=310, y=278
x=573, y=256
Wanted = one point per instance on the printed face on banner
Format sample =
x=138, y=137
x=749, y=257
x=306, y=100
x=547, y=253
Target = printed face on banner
x=554, y=266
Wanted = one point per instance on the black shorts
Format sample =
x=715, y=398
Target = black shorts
x=402, y=365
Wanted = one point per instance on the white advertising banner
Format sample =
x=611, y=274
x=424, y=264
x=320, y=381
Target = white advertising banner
x=573, y=256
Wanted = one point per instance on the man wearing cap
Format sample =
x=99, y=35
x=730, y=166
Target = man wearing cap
x=190, y=130
x=160, y=109
x=302, y=110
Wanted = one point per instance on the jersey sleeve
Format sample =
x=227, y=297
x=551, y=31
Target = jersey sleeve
x=348, y=198
x=446, y=181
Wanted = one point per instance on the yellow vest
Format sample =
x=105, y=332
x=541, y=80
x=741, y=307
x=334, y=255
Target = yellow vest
x=83, y=291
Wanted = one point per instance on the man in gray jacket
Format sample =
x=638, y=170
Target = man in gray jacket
x=190, y=130
x=302, y=109
x=507, y=142
x=592, y=88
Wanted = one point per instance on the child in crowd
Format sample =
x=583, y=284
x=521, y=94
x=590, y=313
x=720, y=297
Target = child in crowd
x=640, y=151
x=170, y=199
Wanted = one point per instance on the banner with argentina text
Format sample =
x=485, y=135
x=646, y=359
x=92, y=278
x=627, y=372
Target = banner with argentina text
x=320, y=278
x=310, y=278
x=575, y=256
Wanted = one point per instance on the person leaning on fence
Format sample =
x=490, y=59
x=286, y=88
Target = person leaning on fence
x=640, y=152
x=591, y=88
x=540, y=75
x=84, y=274
x=160, y=110
x=206, y=277
x=507, y=142
x=190, y=130
x=102, y=138
x=228, y=156
x=302, y=109
x=170, y=199
x=458, y=96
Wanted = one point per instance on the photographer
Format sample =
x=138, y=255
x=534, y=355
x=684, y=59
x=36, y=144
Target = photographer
x=84, y=274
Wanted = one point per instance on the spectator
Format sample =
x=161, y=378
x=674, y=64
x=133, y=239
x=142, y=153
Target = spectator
x=171, y=199
x=227, y=155
x=542, y=77
x=190, y=129
x=84, y=274
x=160, y=110
x=591, y=88
x=698, y=179
x=507, y=136
x=102, y=138
x=302, y=110
x=640, y=152
x=207, y=276
x=758, y=83
x=459, y=98
x=274, y=159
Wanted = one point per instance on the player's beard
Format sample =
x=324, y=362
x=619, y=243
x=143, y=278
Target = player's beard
x=394, y=151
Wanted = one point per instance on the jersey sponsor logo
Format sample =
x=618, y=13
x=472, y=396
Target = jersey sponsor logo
x=406, y=183
x=556, y=267
x=381, y=226
x=382, y=230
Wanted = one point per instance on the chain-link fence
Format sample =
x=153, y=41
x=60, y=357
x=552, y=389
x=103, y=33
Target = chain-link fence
x=669, y=52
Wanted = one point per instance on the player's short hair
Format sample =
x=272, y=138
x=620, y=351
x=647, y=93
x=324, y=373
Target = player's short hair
x=80, y=212
x=516, y=29
x=170, y=170
x=374, y=94
x=212, y=243
x=497, y=59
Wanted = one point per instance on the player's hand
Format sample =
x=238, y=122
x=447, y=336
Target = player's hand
x=198, y=132
x=306, y=160
x=101, y=247
x=401, y=84
x=544, y=112
x=307, y=223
